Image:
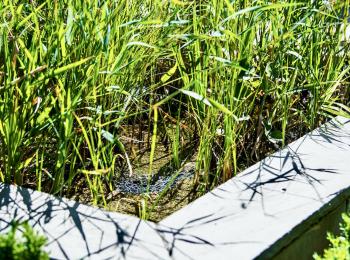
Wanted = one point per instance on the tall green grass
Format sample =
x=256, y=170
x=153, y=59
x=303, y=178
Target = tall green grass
x=236, y=79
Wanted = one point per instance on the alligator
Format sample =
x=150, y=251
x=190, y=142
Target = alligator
x=157, y=183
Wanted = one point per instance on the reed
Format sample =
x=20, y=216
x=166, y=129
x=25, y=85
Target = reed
x=233, y=80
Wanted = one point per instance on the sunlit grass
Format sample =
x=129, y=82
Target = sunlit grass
x=236, y=79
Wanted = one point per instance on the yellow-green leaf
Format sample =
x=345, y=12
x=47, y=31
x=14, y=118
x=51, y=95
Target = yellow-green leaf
x=169, y=74
x=44, y=115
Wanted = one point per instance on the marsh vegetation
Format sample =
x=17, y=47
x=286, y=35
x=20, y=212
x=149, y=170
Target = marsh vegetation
x=92, y=92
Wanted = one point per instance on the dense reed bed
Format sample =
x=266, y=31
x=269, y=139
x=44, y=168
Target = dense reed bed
x=90, y=90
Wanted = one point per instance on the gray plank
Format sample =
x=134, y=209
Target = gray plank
x=251, y=212
x=78, y=231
